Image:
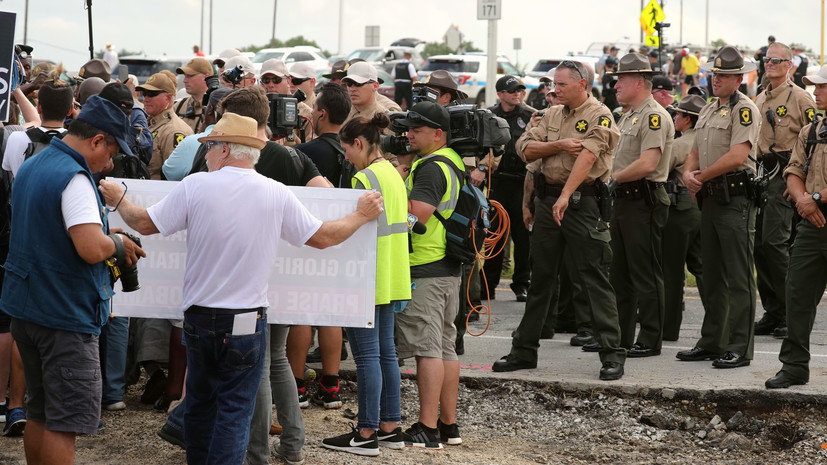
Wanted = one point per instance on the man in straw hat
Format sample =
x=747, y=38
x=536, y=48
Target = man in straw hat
x=786, y=108
x=641, y=165
x=807, y=184
x=719, y=171
x=225, y=282
x=682, y=233
x=574, y=142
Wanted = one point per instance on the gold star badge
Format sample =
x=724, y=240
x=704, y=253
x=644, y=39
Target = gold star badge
x=724, y=112
x=634, y=121
x=581, y=126
x=781, y=110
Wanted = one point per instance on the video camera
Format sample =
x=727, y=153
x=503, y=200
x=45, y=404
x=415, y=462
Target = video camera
x=284, y=112
x=425, y=94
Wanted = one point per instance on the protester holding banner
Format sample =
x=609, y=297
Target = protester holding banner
x=226, y=213
x=377, y=368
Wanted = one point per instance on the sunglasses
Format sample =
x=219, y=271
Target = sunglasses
x=357, y=84
x=298, y=81
x=572, y=65
x=511, y=91
x=419, y=120
x=272, y=80
x=151, y=93
x=212, y=143
x=774, y=61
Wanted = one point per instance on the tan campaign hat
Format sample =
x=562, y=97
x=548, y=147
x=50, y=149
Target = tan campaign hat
x=729, y=61
x=235, y=129
x=632, y=63
x=302, y=70
x=95, y=68
x=158, y=82
x=197, y=65
x=691, y=104
x=819, y=78
x=442, y=79
x=274, y=66
x=338, y=70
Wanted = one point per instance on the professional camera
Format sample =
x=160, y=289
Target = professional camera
x=425, y=94
x=284, y=112
x=234, y=76
x=127, y=274
x=212, y=84
x=396, y=144
x=474, y=131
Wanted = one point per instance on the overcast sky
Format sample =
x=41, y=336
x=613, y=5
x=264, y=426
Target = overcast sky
x=58, y=28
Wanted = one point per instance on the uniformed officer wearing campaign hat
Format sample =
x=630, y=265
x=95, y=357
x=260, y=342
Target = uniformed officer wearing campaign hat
x=168, y=130
x=682, y=233
x=442, y=81
x=641, y=165
x=719, y=170
x=806, y=176
x=786, y=108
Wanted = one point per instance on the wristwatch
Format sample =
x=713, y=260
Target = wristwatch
x=817, y=197
x=483, y=168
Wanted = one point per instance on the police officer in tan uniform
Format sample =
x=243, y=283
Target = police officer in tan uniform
x=190, y=109
x=806, y=176
x=386, y=102
x=682, y=233
x=575, y=141
x=719, y=172
x=641, y=165
x=362, y=85
x=168, y=130
x=790, y=108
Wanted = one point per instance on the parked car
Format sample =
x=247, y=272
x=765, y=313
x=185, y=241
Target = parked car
x=289, y=55
x=387, y=57
x=470, y=72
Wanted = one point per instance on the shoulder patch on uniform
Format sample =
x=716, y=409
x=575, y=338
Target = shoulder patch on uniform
x=581, y=126
x=745, y=116
x=811, y=114
x=178, y=138
x=781, y=110
x=155, y=134
x=654, y=121
x=605, y=121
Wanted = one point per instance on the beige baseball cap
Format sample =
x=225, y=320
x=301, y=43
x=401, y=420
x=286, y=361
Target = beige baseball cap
x=274, y=66
x=302, y=70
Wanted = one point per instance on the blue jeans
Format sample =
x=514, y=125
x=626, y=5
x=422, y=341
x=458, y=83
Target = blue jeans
x=377, y=370
x=113, y=340
x=224, y=375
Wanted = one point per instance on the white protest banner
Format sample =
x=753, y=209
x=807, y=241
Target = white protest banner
x=331, y=287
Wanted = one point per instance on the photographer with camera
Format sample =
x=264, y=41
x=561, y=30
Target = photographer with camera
x=168, y=130
x=238, y=72
x=196, y=73
x=575, y=141
x=57, y=315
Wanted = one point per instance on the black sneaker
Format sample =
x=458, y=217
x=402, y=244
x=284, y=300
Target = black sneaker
x=303, y=400
x=418, y=436
x=448, y=434
x=172, y=435
x=328, y=396
x=354, y=443
x=391, y=440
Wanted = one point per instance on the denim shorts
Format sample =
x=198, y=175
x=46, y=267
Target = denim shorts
x=63, y=376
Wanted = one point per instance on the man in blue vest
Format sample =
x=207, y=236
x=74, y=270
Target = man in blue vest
x=57, y=285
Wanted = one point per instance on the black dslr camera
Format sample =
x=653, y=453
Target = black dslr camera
x=396, y=144
x=234, y=76
x=127, y=274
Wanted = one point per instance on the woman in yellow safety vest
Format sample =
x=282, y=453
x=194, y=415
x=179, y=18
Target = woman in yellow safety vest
x=377, y=368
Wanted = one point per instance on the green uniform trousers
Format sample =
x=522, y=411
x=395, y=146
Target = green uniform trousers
x=637, y=268
x=569, y=308
x=589, y=266
x=773, y=226
x=806, y=281
x=681, y=251
x=727, y=238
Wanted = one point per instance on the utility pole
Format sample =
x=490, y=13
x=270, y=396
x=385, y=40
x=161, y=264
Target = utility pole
x=341, y=25
x=275, y=8
x=26, y=25
x=201, y=42
x=210, y=27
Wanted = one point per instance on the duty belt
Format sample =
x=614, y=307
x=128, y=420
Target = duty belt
x=636, y=189
x=736, y=183
x=555, y=190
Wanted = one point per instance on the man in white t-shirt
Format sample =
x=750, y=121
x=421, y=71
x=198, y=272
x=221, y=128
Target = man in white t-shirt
x=234, y=219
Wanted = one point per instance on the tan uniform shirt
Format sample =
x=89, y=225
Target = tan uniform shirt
x=389, y=104
x=371, y=110
x=816, y=179
x=792, y=108
x=182, y=110
x=591, y=122
x=680, y=151
x=648, y=126
x=721, y=127
x=168, y=130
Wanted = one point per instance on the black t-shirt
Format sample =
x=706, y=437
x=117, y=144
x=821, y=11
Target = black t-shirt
x=330, y=162
x=517, y=120
x=277, y=163
x=429, y=187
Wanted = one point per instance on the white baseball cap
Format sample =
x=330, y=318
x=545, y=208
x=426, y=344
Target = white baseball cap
x=274, y=66
x=239, y=61
x=302, y=70
x=361, y=73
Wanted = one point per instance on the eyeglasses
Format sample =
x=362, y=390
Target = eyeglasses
x=298, y=81
x=774, y=61
x=151, y=93
x=272, y=80
x=418, y=120
x=572, y=65
x=511, y=91
x=350, y=83
x=125, y=188
x=212, y=143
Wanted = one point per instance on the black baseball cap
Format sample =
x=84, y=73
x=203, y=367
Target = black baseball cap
x=428, y=114
x=118, y=94
x=107, y=117
x=662, y=83
x=509, y=83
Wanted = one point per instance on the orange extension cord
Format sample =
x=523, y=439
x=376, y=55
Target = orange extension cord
x=488, y=252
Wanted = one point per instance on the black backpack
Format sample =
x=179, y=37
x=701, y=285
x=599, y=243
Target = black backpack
x=800, y=72
x=129, y=166
x=467, y=227
x=40, y=140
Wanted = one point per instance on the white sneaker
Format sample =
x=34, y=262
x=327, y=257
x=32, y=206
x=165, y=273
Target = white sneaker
x=115, y=407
